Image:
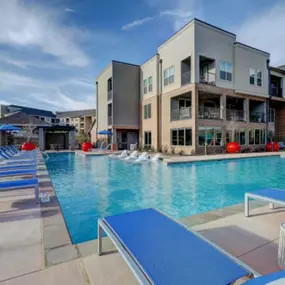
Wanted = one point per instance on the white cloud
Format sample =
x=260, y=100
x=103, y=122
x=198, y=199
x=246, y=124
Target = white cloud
x=266, y=31
x=63, y=102
x=137, y=23
x=68, y=10
x=179, y=13
x=3, y=102
x=42, y=28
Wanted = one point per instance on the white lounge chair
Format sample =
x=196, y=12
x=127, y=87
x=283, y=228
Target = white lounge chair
x=133, y=155
x=123, y=154
x=142, y=158
x=156, y=157
x=270, y=195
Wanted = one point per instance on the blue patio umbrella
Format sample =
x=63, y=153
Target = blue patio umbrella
x=105, y=132
x=8, y=128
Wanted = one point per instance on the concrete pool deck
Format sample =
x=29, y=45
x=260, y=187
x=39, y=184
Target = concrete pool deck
x=35, y=247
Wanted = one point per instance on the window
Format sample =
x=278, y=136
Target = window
x=110, y=85
x=271, y=115
x=181, y=137
x=150, y=84
x=251, y=137
x=147, y=111
x=226, y=70
x=147, y=139
x=240, y=136
x=256, y=137
x=259, y=77
x=212, y=136
x=169, y=75
x=145, y=86
x=255, y=74
x=251, y=76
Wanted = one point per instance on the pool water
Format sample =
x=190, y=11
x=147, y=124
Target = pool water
x=92, y=187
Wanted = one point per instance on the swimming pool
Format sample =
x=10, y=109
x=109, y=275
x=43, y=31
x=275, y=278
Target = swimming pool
x=91, y=187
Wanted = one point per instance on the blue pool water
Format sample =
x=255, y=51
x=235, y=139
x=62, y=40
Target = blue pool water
x=92, y=187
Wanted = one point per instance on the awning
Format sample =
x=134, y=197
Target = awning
x=105, y=132
x=8, y=128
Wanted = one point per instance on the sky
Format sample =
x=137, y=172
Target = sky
x=52, y=50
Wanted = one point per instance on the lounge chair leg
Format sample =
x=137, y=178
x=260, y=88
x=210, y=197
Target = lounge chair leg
x=99, y=240
x=271, y=206
x=37, y=193
x=246, y=206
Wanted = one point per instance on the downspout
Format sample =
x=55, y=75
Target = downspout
x=159, y=102
x=97, y=109
x=270, y=96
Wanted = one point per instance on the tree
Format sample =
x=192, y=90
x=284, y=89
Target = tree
x=28, y=130
x=81, y=137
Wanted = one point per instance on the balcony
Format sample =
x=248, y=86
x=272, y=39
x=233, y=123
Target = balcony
x=110, y=121
x=210, y=113
x=110, y=95
x=235, y=115
x=257, y=117
x=185, y=77
x=276, y=91
x=208, y=78
x=181, y=114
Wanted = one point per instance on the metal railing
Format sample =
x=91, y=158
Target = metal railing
x=110, y=95
x=208, y=78
x=181, y=114
x=210, y=113
x=110, y=121
x=235, y=115
x=257, y=117
x=277, y=92
x=186, y=77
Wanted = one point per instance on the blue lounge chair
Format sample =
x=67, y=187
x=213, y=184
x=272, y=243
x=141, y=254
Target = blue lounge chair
x=271, y=195
x=21, y=184
x=21, y=172
x=29, y=158
x=5, y=167
x=161, y=251
x=268, y=279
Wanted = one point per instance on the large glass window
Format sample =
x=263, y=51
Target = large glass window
x=251, y=137
x=226, y=71
x=147, y=139
x=212, y=136
x=271, y=115
x=168, y=75
x=240, y=136
x=181, y=137
x=257, y=137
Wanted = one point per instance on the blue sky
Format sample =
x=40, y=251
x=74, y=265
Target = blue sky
x=52, y=50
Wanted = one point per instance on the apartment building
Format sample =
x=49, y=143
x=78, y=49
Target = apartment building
x=205, y=88
x=43, y=115
x=82, y=120
x=118, y=105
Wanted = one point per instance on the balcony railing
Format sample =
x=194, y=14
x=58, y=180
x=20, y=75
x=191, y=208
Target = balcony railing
x=235, y=115
x=110, y=95
x=208, y=78
x=186, y=78
x=110, y=121
x=210, y=113
x=181, y=114
x=277, y=92
x=257, y=117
